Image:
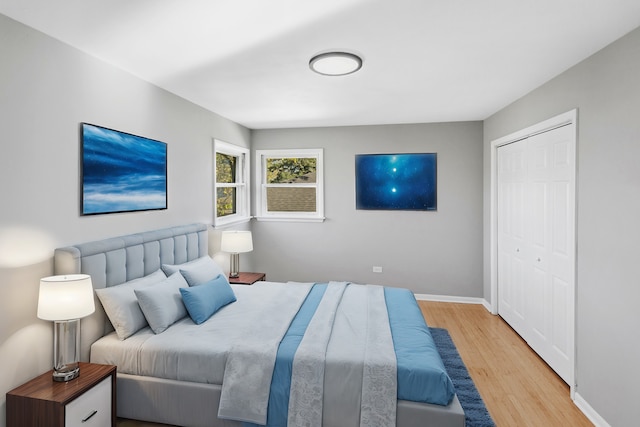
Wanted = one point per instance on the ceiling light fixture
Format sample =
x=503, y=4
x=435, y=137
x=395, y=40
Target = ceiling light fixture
x=335, y=63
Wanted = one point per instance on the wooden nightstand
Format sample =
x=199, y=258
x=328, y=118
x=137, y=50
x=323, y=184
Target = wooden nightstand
x=89, y=400
x=247, y=278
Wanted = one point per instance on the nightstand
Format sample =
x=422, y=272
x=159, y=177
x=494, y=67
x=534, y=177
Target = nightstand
x=247, y=278
x=89, y=400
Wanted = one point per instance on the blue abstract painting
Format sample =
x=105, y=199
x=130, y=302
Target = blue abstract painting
x=396, y=181
x=122, y=172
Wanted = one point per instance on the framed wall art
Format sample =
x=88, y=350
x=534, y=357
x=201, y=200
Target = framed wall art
x=405, y=181
x=121, y=172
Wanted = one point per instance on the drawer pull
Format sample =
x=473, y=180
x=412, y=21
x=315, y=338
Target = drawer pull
x=88, y=417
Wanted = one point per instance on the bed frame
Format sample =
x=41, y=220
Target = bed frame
x=113, y=261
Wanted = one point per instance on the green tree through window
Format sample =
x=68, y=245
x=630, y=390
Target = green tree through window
x=291, y=186
x=231, y=202
x=291, y=170
x=225, y=173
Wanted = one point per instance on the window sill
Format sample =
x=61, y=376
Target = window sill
x=224, y=224
x=288, y=219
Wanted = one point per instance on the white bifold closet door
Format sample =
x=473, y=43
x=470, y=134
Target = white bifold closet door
x=536, y=243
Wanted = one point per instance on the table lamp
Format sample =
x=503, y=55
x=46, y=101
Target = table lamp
x=236, y=242
x=65, y=300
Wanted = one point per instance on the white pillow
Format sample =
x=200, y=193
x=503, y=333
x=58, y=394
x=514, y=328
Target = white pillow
x=121, y=305
x=196, y=272
x=162, y=303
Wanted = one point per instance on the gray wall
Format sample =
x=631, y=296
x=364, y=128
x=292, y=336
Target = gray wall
x=427, y=252
x=606, y=90
x=47, y=89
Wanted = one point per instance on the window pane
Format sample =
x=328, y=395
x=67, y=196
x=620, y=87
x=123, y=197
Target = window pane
x=291, y=170
x=291, y=199
x=225, y=168
x=226, y=201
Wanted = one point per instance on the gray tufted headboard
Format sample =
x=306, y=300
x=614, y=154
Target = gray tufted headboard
x=113, y=261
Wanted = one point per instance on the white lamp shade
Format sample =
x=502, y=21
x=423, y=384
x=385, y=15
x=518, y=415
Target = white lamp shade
x=65, y=297
x=236, y=242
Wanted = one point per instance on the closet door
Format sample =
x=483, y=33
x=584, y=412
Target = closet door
x=551, y=302
x=536, y=257
x=512, y=241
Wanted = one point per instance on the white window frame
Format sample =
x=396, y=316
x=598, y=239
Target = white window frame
x=243, y=185
x=261, y=186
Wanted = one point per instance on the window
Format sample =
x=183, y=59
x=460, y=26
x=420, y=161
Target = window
x=290, y=185
x=231, y=184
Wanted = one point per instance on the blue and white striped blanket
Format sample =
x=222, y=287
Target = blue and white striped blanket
x=347, y=354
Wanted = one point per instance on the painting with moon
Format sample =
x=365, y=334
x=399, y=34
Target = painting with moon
x=121, y=172
x=405, y=181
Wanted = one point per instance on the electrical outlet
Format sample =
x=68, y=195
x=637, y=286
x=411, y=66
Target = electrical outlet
x=377, y=269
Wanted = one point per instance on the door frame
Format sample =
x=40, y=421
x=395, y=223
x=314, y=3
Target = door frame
x=568, y=118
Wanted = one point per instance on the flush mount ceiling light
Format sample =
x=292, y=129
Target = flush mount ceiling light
x=335, y=63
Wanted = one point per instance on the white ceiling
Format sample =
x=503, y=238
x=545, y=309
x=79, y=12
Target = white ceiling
x=424, y=60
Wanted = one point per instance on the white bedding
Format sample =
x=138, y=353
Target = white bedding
x=251, y=360
x=175, y=354
x=347, y=363
x=348, y=339
x=307, y=378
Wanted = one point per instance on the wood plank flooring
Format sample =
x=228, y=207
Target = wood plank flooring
x=518, y=388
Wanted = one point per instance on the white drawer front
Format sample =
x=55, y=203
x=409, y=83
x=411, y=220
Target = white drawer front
x=92, y=409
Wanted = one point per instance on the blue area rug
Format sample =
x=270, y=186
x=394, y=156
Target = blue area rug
x=475, y=411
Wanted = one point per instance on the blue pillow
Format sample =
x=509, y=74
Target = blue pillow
x=204, y=300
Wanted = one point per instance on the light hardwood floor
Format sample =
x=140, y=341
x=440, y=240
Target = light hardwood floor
x=518, y=388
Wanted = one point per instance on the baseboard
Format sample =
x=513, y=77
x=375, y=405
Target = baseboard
x=591, y=413
x=447, y=298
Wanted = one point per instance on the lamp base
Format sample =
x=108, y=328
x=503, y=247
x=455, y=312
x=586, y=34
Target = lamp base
x=66, y=375
x=234, y=265
x=66, y=349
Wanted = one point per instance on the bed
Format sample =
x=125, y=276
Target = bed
x=192, y=382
